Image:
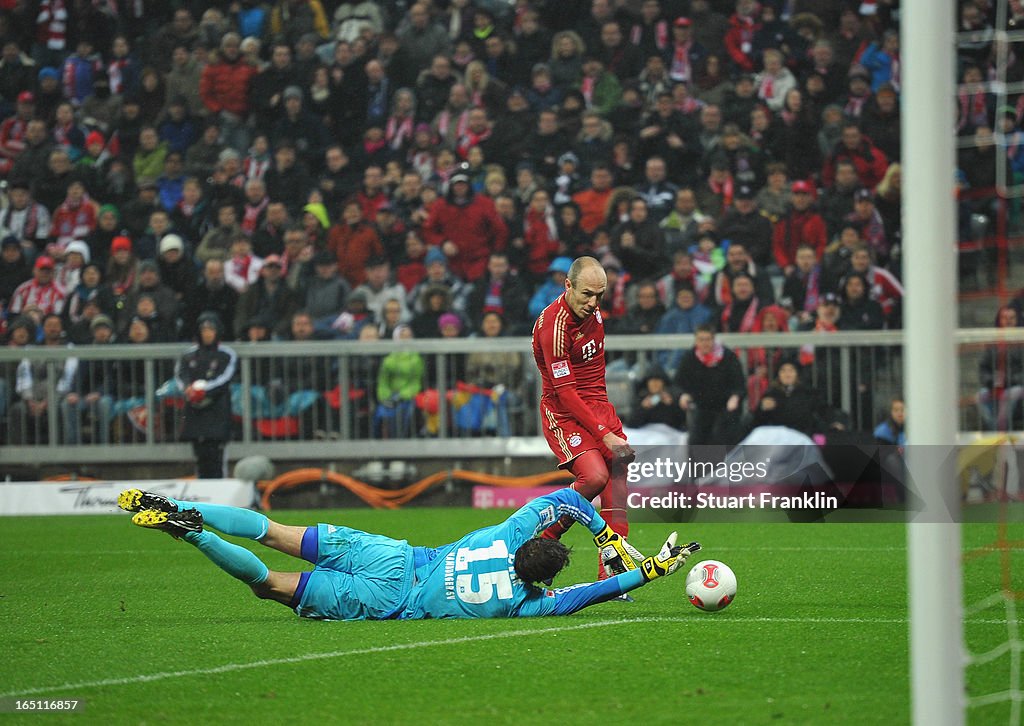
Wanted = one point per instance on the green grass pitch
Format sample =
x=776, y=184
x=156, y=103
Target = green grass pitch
x=144, y=629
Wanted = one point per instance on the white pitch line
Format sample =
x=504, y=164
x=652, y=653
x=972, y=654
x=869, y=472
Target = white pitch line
x=232, y=667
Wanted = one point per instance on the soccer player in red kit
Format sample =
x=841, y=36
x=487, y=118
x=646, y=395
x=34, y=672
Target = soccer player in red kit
x=580, y=424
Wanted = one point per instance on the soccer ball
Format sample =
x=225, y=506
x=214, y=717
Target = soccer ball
x=711, y=585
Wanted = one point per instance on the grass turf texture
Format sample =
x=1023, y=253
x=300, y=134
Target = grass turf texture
x=144, y=628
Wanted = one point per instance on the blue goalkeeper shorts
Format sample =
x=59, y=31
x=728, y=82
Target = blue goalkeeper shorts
x=358, y=576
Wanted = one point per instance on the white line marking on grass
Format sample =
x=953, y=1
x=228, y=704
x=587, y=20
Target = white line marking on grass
x=696, y=619
x=231, y=667
x=808, y=548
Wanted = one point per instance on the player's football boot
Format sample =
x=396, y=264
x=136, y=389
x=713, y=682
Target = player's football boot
x=174, y=523
x=135, y=500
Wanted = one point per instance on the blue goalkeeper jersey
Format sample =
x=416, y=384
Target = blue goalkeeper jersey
x=475, y=577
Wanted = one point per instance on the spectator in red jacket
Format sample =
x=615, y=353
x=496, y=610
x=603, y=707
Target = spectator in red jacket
x=354, y=241
x=869, y=161
x=800, y=226
x=466, y=227
x=224, y=88
x=540, y=234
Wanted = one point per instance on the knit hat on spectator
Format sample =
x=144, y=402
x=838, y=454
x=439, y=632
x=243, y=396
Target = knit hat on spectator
x=101, y=320
x=745, y=191
x=461, y=174
x=26, y=97
x=396, y=334
x=23, y=321
x=171, y=242
x=569, y=157
x=863, y=195
x=319, y=211
x=449, y=319
x=10, y=241
x=434, y=254
x=292, y=92
x=44, y=263
x=49, y=72
x=81, y=248
x=95, y=137
x=210, y=319
x=120, y=243
x=148, y=266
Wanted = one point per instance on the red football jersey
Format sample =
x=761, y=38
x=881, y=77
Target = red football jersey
x=569, y=351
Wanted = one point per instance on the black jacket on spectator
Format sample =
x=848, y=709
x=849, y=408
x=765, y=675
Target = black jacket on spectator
x=646, y=257
x=277, y=307
x=753, y=230
x=710, y=386
x=290, y=186
x=799, y=408
x=13, y=274
x=180, y=277
x=514, y=299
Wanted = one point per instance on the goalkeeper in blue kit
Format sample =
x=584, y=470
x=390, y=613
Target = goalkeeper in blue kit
x=494, y=572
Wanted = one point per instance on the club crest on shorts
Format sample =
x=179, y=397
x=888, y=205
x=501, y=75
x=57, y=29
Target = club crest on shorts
x=575, y=440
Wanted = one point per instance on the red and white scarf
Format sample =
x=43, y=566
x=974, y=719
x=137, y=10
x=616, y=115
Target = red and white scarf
x=587, y=89
x=115, y=72
x=711, y=358
x=452, y=125
x=398, y=131
x=749, y=317
x=254, y=167
x=681, y=69
x=51, y=24
x=469, y=140
x=251, y=215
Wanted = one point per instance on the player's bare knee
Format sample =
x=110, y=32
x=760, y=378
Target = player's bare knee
x=262, y=590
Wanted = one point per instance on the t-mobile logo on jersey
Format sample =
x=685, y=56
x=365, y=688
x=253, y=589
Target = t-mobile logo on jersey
x=589, y=349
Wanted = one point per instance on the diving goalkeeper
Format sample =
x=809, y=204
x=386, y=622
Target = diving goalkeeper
x=494, y=572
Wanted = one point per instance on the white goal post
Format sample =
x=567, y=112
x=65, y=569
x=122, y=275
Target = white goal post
x=927, y=44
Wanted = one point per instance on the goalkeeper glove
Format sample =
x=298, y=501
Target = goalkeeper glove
x=668, y=560
x=617, y=554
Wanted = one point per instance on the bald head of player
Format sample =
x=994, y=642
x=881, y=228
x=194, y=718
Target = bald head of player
x=584, y=286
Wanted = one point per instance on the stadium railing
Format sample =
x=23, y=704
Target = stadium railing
x=319, y=400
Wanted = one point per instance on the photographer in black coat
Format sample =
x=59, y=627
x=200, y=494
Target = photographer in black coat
x=204, y=373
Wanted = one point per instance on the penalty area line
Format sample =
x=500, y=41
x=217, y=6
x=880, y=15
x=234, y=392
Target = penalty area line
x=309, y=657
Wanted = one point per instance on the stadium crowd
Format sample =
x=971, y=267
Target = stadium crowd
x=316, y=169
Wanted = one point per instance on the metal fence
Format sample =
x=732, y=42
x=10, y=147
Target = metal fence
x=478, y=397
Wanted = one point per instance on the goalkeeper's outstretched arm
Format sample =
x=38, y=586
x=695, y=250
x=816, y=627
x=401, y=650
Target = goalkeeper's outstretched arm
x=671, y=558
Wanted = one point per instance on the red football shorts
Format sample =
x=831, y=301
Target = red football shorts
x=568, y=439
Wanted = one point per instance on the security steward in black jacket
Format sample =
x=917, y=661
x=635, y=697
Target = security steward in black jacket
x=204, y=373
